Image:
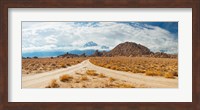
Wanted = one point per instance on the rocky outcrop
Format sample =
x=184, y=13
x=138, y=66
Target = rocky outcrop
x=129, y=49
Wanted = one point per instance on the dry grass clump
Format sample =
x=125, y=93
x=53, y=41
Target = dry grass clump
x=169, y=75
x=107, y=66
x=153, y=73
x=91, y=72
x=150, y=73
x=78, y=73
x=65, y=78
x=111, y=79
x=146, y=65
x=124, y=85
x=114, y=67
x=63, y=65
x=119, y=84
x=101, y=75
x=84, y=78
x=175, y=73
x=53, y=84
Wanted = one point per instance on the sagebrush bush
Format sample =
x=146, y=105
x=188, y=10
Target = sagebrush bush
x=63, y=65
x=101, y=75
x=123, y=85
x=54, y=84
x=169, y=75
x=175, y=73
x=111, y=79
x=91, y=72
x=65, y=78
x=150, y=73
x=83, y=78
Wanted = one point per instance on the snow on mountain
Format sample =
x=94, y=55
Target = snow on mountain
x=90, y=44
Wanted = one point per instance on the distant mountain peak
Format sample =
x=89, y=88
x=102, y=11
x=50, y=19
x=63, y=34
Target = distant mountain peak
x=90, y=44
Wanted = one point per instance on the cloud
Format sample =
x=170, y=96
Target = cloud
x=51, y=39
x=65, y=36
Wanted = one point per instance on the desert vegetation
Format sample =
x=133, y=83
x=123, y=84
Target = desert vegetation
x=40, y=65
x=87, y=75
x=89, y=79
x=166, y=67
x=53, y=84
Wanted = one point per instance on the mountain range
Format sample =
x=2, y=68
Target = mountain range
x=85, y=50
x=123, y=49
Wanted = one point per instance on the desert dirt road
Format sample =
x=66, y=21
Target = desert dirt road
x=41, y=80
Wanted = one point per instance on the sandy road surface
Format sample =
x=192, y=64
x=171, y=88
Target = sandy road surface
x=41, y=80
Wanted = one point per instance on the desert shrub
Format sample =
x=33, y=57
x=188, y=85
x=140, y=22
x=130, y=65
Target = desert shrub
x=111, y=79
x=83, y=78
x=127, y=69
x=142, y=71
x=150, y=73
x=78, y=73
x=91, y=72
x=107, y=66
x=77, y=81
x=114, y=67
x=169, y=75
x=53, y=64
x=54, y=84
x=65, y=78
x=124, y=85
x=101, y=75
x=175, y=73
x=63, y=66
x=159, y=73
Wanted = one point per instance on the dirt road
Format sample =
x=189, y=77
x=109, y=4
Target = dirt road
x=41, y=80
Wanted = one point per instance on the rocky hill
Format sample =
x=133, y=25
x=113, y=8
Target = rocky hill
x=132, y=49
x=162, y=55
x=68, y=55
x=97, y=53
x=129, y=49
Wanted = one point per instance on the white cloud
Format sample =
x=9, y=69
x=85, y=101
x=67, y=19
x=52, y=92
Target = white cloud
x=51, y=39
x=64, y=36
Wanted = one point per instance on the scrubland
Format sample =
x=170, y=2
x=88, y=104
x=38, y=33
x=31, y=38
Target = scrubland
x=132, y=72
x=40, y=65
x=88, y=79
x=166, y=67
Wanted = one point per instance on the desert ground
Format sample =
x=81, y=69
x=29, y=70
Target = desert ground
x=166, y=67
x=39, y=65
x=100, y=72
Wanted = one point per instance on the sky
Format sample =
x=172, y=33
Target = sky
x=66, y=36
